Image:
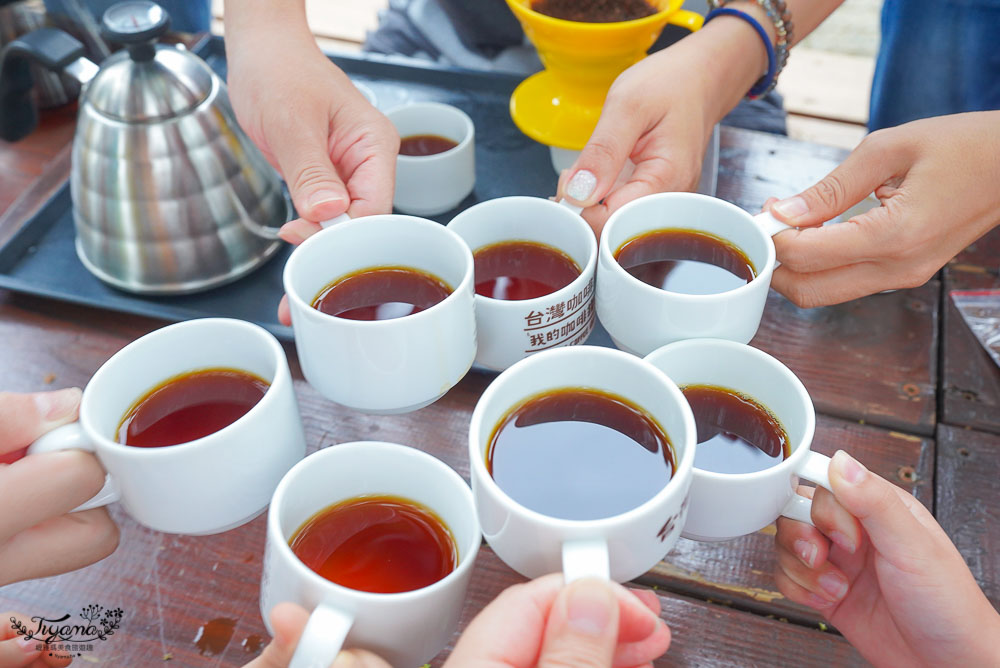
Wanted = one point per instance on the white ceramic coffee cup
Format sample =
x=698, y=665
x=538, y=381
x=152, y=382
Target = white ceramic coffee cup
x=729, y=505
x=507, y=330
x=427, y=185
x=640, y=317
x=406, y=628
x=208, y=485
x=383, y=366
x=622, y=546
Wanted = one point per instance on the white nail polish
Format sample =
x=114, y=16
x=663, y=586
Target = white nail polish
x=582, y=185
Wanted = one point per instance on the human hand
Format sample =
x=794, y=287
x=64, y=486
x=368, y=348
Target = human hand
x=880, y=568
x=39, y=536
x=936, y=179
x=587, y=624
x=16, y=652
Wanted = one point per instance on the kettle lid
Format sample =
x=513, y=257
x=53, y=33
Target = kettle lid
x=146, y=82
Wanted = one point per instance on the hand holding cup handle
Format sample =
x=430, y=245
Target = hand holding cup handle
x=814, y=468
x=72, y=437
x=322, y=638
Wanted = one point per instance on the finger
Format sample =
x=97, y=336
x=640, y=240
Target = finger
x=304, y=161
x=834, y=286
x=582, y=628
x=649, y=599
x=288, y=621
x=826, y=580
x=284, y=312
x=15, y=650
x=298, y=230
x=865, y=169
x=369, y=168
x=867, y=237
x=798, y=594
x=803, y=540
x=25, y=417
x=892, y=527
x=650, y=176
x=614, y=138
x=39, y=487
x=58, y=545
x=359, y=658
x=643, y=652
x=835, y=522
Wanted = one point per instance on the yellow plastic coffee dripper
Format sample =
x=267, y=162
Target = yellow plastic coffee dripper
x=560, y=105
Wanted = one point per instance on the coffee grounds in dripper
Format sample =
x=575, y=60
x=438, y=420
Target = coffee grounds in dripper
x=594, y=11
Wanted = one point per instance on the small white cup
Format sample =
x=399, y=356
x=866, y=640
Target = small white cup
x=406, y=628
x=622, y=546
x=208, y=485
x=729, y=505
x=431, y=184
x=640, y=317
x=383, y=366
x=508, y=331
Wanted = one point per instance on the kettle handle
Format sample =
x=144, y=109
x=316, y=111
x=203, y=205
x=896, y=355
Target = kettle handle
x=53, y=49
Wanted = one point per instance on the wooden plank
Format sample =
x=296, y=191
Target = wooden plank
x=853, y=360
x=968, y=490
x=828, y=133
x=983, y=255
x=823, y=84
x=740, y=573
x=341, y=21
x=970, y=380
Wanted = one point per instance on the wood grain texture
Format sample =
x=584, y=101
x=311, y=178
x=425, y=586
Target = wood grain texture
x=740, y=573
x=968, y=500
x=872, y=359
x=970, y=380
x=983, y=254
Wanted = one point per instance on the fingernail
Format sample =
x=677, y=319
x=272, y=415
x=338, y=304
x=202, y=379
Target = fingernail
x=291, y=235
x=582, y=185
x=834, y=585
x=587, y=609
x=815, y=601
x=58, y=405
x=842, y=541
x=806, y=552
x=849, y=468
x=793, y=207
x=345, y=659
x=321, y=197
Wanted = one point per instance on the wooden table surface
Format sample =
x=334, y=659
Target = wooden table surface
x=898, y=380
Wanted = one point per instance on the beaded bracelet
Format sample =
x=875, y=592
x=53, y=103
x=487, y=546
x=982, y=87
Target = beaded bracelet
x=766, y=82
x=777, y=12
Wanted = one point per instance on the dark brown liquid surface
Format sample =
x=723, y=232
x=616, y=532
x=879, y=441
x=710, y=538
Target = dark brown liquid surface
x=382, y=544
x=515, y=270
x=190, y=406
x=381, y=293
x=579, y=454
x=594, y=11
x=685, y=261
x=425, y=145
x=214, y=635
x=735, y=433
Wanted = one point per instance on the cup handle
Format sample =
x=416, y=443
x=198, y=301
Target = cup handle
x=71, y=437
x=342, y=218
x=572, y=207
x=322, y=638
x=686, y=19
x=585, y=558
x=769, y=224
x=814, y=468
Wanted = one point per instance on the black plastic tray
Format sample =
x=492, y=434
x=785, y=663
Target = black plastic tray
x=41, y=258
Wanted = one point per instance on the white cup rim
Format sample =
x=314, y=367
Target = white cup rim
x=586, y=272
x=681, y=464
x=439, y=107
x=466, y=558
x=608, y=253
x=797, y=450
x=275, y=388
x=320, y=237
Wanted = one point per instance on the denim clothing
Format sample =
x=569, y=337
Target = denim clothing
x=937, y=57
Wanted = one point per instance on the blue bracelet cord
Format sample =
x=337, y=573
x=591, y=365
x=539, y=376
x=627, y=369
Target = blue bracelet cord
x=764, y=83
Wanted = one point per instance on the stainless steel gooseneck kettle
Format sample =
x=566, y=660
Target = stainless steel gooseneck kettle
x=169, y=195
